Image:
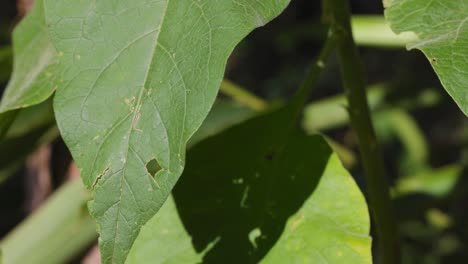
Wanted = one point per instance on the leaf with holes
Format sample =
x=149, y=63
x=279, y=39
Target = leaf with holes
x=278, y=199
x=139, y=77
x=34, y=78
x=442, y=28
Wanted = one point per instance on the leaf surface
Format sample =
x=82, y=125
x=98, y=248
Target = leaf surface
x=442, y=28
x=260, y=201
x=139, y=77
x=164, y=240
x=33, y=79
x=331, y=227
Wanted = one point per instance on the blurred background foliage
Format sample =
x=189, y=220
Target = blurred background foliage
x=423, y=134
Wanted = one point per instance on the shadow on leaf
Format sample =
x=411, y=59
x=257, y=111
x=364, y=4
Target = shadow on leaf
x=240, y=187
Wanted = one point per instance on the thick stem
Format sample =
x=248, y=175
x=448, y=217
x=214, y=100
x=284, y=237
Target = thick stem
x=338, y=11
x=59, y=230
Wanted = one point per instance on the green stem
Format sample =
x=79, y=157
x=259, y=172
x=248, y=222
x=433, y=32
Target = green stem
x=368, y=30
x=338, y=11
x=243, y=96
x=298, y=101
x=62, y=228
x=374, y=31
x=309, y=82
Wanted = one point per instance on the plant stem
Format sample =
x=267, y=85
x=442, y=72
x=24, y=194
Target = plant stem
x=300, y=98
x=57, y=231
x=338, y=11
x=309, y=82
x=243, y=96
x=374, y=31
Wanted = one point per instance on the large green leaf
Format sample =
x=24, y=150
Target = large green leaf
x=331, y=227
x=442, y=28
x=263, y=200
x=139, y=77
x=276, y=174
x=33, y=79
x=223, y=114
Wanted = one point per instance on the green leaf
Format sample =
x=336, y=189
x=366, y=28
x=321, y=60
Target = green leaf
x=33, y=79
x=31, y=118
x=223, y=114
x=139, y=77
x=442, y=28
x=164, y=240
x=435, y=182
x=286, y=201
x=277, y=173
x=331, y=227
x=6, y=61
x=6, y=119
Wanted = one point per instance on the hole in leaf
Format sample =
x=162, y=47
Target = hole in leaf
x=153, y=167
x=254, y=235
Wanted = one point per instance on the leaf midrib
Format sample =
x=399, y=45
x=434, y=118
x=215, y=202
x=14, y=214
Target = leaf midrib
x=130, y=133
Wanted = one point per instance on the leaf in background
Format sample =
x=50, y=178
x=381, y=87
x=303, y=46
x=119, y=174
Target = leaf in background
x=6, y=61
x=6, y=119
x=33, y=79
x=442, y=28
x=241, y=187
x=222, y=115
x=139, y=77
x=32, y=127
x=303, y=187
x=435, y=182
x=31, y=118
